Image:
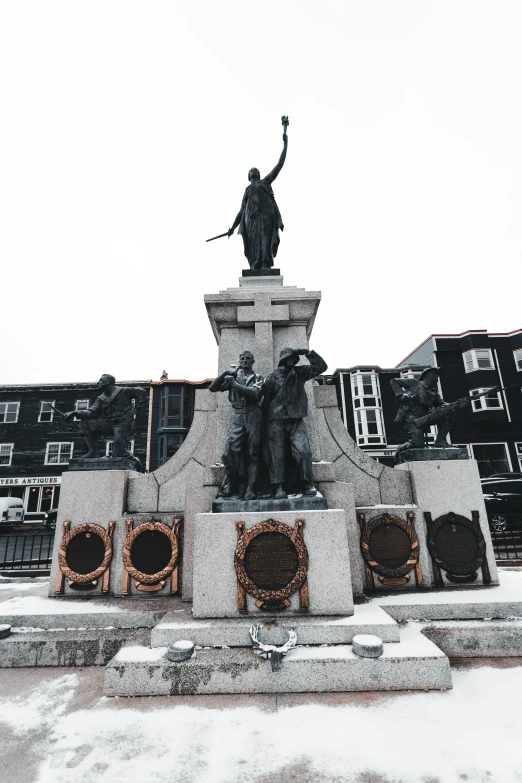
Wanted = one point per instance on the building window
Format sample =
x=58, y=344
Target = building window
x=478, y=360
x=58, y=453
x=42, y=499
x=46, y=412
x=176, y=406
x=492, y=401
x=367, y=405
x=518, y=447
x=491, y=458
x=9, y=412
x=81, y=405
x=518, y=358
x=6, y=453
x=109, y=447
x=411, y=374
x=370, y=427
x=168, y=446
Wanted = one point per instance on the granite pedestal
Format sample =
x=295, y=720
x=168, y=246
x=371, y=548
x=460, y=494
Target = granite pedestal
x=215, y=591
x=442, y=486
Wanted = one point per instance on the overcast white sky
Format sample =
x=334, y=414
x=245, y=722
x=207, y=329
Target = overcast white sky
x=127, y=132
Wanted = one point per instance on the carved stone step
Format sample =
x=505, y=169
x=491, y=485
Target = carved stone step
x=414, y=663
x=368, y=618
x=93, y=647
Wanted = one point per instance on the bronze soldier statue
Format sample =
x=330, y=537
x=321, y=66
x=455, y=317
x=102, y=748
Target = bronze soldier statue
x=112, y=413
x=418, y=397
x=243, y=442
x=422, y=406
x=285, y=404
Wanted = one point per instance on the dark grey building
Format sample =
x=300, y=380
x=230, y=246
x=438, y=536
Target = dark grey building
x=490, y=428
x=36, y=445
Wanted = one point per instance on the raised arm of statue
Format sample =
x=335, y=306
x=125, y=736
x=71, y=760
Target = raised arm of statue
x=275, y=171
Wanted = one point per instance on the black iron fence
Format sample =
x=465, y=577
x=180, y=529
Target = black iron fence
x=26, y=550
x=507, y=545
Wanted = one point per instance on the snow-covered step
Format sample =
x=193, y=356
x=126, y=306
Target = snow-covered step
x=77, y=647
x=473, y=603
x=367, y=619
x=477, y=638
x=414, y=663
x=48, y=613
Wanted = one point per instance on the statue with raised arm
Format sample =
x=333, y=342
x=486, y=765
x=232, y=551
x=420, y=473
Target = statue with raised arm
x=259, y=220
x=285, y=406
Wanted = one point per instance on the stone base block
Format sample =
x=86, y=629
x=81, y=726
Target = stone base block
x=106, y=463
x=479, y=639
x=443, y=486
x=415, y=663
x=292, y=503
x=431, y=453
x=272, y=272
x=215, y=582
x=367, y=619
x=62, y=648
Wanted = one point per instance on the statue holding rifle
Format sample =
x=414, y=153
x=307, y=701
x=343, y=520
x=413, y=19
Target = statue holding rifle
x=422, y=406
x=111, y=415
x=259, y=220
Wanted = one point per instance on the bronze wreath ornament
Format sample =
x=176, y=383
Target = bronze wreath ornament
x=144, y=581
x=392, y=566
x=271, y=599
x=76, y=579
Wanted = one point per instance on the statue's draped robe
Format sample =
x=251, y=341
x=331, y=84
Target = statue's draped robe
x=260, y=224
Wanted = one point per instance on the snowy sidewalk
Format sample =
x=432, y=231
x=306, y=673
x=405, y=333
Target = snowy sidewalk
x=55, y=730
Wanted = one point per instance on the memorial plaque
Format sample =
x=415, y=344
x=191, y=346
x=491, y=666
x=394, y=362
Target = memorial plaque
x=84, y=555
x=390, y=548
x=457, y=546
x=151, y=551
x=271, y=563
x=150, y=555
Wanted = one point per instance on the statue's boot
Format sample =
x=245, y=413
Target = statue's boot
x=232, y=492
x=91, y=445
x=251, y=481
x=280, y=494
x=309, y=490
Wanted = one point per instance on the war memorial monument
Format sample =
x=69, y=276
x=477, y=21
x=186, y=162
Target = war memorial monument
x=270, y=553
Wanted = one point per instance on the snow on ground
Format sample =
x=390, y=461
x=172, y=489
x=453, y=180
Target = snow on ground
x=36, y=604
x=469, y=734
x=19, y=586
x=45, y=706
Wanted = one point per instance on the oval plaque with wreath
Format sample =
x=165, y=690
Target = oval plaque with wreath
x=150, y=555
x=271, y=563
x=457, y=545
x=85, y=554
x=390, y=548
